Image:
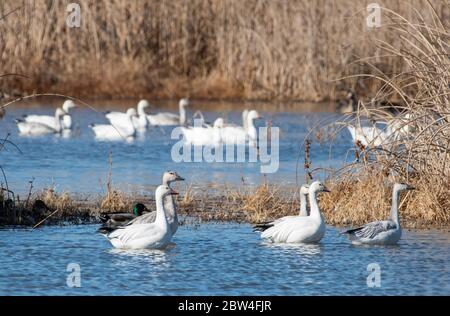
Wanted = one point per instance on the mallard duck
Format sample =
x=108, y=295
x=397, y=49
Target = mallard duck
x=114, y=220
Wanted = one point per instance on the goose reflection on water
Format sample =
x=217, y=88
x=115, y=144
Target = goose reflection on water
x=158, y=259
x=303, y=250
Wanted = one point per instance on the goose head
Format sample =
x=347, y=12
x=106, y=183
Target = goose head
x=171, y=176
x=142, y=105
x=403, y=187
x=304, y=189
x=139, y=209
x=59, y=113
x=131, y=112
x=184, y=102
x=164, y=190
x=253, y=115
x=219, y=123
x=67, y=105
x=317, y=186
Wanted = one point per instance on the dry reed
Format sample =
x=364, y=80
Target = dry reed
x=221, y=49
x=420, y=153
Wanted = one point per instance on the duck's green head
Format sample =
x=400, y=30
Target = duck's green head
x=139, y=209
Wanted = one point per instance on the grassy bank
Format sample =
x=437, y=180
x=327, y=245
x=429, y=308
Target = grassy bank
x=245, y=205
x=220, y=49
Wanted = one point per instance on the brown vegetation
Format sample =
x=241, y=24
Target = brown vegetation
x=421, y=153
x=221, y=49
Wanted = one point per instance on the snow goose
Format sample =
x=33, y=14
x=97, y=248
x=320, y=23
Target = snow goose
x=238, y=134
x=203, y=135
x=300, y=229
x=304, y=189
x=170, y=119
x=140, y=122
x=386, y=232
x=156, y=235
x=370, y=135
x=114, y=220
x=50, y=120
x=244, y=119
x=35, y=128
x=113, y=132
x=169, y=205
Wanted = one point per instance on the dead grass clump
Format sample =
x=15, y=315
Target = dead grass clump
x=365, y=198
x=205, y=206
x=116, y=201
x=267, y=203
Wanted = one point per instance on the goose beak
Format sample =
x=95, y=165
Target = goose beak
x=173, y=192
x=410, y=187
x=179, y=178
x=326, y=190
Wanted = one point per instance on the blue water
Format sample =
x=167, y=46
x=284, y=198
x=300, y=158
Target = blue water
x=208, y=259
x=219, y=259
x=79, y=164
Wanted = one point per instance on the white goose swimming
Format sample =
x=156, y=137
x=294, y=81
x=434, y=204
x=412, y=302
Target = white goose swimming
x=170, y=119
x=304, y=190
x=169, y=205
x=386, y=232
x=120, y=119
x=242, y=134
x=113, y=132
x=369, y=135
x=156, y=235
x=50, y=120
x=300, y=229
x=35, y=128
x=203, y=135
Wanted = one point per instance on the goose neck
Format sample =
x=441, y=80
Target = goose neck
x=303, y=211
x=182, y=114
x=394, y=216
x=161, y=219
x=314, y=206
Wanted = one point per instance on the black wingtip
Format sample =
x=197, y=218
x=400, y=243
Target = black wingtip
x=104, y=217
x=350, y=231
x=105, y=230
x=262, y=227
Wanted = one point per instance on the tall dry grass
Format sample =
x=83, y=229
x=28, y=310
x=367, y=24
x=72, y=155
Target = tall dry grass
x=202, y=48
x=420, y=154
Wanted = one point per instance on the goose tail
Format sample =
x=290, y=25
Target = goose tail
x=262, y=227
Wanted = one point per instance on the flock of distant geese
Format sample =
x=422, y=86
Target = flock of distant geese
x=126, y=125
x=154, y=230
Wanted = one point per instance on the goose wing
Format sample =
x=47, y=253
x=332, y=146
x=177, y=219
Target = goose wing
x=133, y=232
x=41, y=119
x=117, y=118
x=143, y=219
x=371, y=230
x=280, y=232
